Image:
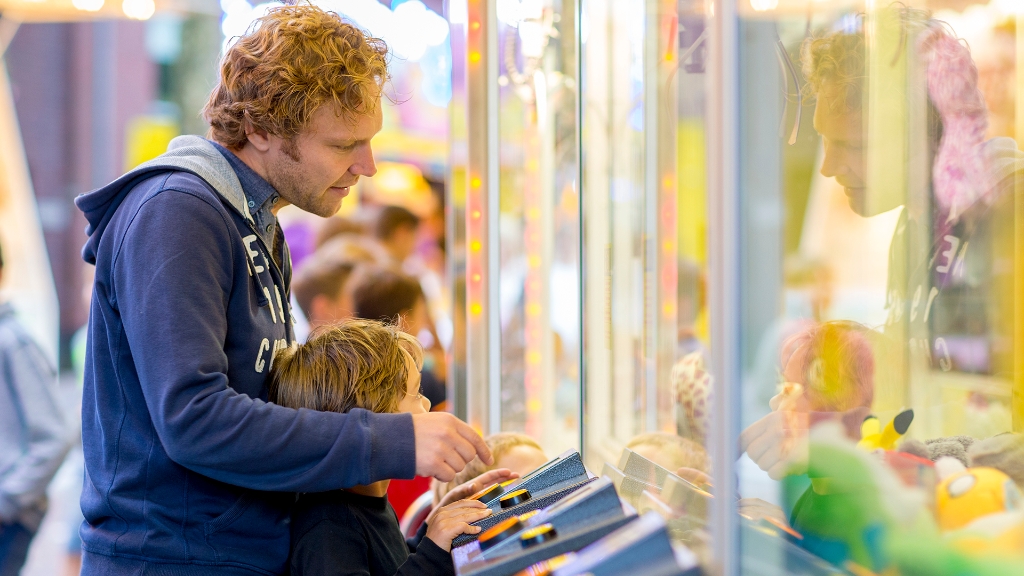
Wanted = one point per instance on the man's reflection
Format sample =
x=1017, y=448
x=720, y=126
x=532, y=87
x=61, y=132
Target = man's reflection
x=942, y=284
x=940, y=267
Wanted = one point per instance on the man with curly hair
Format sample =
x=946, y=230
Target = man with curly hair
x=189, y=470
x=971, y=180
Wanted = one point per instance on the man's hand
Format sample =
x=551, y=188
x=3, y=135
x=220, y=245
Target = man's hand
x=445, y=444
x=452, y=520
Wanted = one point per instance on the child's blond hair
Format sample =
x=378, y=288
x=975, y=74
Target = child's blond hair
x=355, y=364
x=500, y=444
x=675, y=451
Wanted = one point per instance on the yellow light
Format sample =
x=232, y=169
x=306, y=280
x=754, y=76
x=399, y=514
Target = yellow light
x=475, y=25
x=668, y=246
x=475, y=245
x=476, y=214
x=668, y=310
x=475, y=180
x=474, y=56
x=669, y=57
x=476, y=277
x=533, y=358
x=476, y=309
x=533, y=309
x=534, y=261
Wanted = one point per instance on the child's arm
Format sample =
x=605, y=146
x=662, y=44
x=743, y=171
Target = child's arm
x=432, y=554
x=430, y=559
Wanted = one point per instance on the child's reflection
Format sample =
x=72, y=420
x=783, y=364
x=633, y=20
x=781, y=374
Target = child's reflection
x=828, y=374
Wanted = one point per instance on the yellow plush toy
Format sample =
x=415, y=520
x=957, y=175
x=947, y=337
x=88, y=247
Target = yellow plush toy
x=873, y=436
x=965, y=496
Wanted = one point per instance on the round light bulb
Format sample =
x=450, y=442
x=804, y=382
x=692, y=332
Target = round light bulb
x=138, y=9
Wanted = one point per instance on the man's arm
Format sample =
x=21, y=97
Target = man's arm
x=172, y=279
x=30, y=387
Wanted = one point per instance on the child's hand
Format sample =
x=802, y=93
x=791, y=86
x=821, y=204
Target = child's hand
x=477, y=484
x=454, y=519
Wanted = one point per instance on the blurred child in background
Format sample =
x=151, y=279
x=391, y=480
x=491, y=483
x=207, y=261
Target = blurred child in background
x=512, y=450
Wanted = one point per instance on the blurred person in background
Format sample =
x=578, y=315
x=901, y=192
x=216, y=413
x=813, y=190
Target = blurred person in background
x=319, y=287
x=34, y=437
x=395, y=229
x=517, y=452
x=381, y=293
x=189, y=470
x=338, y=226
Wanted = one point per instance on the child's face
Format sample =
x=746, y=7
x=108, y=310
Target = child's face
x=413, y=402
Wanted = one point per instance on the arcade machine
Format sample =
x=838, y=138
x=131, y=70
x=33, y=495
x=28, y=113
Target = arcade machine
x=561, y=516
x=637, y=518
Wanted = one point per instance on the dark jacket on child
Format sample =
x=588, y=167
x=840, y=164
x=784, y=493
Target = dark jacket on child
x=344, y=534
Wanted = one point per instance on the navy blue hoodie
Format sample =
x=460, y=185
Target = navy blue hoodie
x=188, y=469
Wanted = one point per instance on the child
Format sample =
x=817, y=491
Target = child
x=369, y=365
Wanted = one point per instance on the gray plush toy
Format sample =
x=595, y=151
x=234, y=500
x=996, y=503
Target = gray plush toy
x=1004, y=452
x=951, y=446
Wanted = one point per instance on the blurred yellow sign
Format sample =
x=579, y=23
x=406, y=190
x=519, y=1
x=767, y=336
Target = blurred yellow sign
x=146, y=138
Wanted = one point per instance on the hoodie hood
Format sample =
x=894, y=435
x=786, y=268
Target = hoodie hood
x=1003, y=158
x=185, y=153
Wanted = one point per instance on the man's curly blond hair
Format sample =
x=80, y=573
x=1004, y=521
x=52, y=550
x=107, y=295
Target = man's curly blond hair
x=290, y=63
x=838, y=60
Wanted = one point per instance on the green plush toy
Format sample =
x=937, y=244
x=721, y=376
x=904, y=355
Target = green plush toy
x=858, y=512
x=845, y=516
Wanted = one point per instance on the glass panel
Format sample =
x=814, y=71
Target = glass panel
x=539, y=295
x=646, y=355
x=879, y=277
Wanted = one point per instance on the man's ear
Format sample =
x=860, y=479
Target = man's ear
x=260, y=139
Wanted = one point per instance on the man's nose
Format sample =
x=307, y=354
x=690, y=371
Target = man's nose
x=832, y=164
x=364, y=164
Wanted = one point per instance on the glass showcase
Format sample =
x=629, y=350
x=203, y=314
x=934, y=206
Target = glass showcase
x=773, y=247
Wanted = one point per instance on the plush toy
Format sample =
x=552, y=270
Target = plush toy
x=953, y=446
x=874, y=436
x=968, y=494
x=1004, y=452
x=854, y=503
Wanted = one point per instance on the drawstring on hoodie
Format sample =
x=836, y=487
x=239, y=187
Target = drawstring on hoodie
x=261, y=291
